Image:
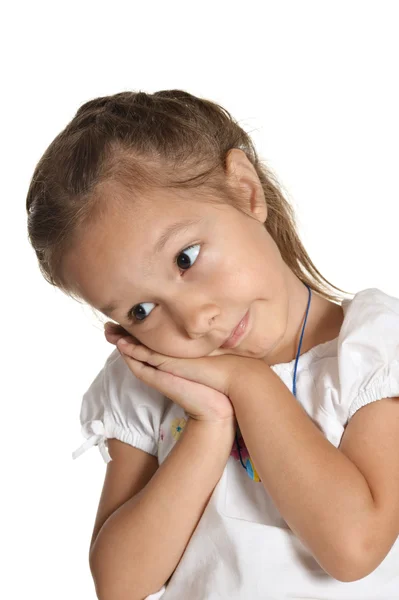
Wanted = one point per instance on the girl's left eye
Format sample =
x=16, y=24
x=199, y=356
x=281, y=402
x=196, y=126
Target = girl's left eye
x=187, y=252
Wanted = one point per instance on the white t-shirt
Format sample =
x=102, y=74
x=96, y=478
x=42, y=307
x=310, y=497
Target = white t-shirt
x=242, y=548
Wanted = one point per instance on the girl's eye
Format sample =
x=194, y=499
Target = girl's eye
x=185, y=252
x=137, y=314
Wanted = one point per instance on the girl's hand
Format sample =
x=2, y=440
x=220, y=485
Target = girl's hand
x=203, y=398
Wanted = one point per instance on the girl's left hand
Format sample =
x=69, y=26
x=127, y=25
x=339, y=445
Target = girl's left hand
x=215, y=370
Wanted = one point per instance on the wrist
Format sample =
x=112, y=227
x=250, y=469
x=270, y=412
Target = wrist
x=213, y=423
x=243, y=376
x=215, y=429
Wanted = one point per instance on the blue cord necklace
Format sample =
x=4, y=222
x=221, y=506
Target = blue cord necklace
x=249, y=466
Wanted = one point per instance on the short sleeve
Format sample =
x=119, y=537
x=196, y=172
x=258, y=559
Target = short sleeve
x=118, y=405
x=368, y=350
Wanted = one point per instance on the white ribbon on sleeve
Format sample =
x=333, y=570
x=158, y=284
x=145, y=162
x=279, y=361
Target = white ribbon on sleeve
x=97, y=438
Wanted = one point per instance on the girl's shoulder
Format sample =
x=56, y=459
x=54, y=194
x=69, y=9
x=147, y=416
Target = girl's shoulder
x=370, y=326
x=118, y=390
x=368, y=349
x=367, y=304
x=119, y=405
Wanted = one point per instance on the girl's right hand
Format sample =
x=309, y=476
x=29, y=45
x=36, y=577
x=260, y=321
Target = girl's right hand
x=199, y=401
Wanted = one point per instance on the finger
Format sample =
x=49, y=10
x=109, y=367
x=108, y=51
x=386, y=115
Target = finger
x=160, y=380
x=113, y=337
x=113, y=332
x=172, y=386
x=109, y=326
x=140, y=352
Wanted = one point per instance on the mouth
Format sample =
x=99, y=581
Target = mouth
x=237, y=332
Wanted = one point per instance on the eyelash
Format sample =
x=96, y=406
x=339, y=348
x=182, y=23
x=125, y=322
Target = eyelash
x=130, y=315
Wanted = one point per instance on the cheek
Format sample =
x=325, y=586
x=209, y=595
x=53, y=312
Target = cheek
x=171, y=344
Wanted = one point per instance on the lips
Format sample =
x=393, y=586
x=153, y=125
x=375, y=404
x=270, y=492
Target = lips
x=237, y=332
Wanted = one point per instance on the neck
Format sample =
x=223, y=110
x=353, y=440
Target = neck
x=323, y=323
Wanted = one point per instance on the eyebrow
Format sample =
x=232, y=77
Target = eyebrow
x=170, y=231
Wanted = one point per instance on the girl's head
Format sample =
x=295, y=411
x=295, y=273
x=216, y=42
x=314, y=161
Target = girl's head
x=156, y=210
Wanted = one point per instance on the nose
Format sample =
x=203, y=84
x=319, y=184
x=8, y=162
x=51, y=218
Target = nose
x=195, y=318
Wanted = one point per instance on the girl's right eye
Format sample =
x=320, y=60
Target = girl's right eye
x=137, y=318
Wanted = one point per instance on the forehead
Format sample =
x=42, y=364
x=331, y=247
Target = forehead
x=155, y=211
x=122, y=247
x=150, y=223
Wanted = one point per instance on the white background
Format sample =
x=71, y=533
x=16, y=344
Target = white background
x=317, y=85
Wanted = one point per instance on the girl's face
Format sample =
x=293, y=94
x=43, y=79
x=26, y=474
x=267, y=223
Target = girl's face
x=184, y=297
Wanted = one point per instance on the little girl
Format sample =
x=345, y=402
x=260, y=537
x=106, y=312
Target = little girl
x=248, y=415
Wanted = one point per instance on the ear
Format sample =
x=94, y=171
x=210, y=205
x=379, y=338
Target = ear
x=242, y=174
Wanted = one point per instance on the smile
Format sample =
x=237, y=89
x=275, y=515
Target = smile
x=237, y=332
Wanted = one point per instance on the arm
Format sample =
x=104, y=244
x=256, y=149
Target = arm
x=320, y=492
x=142, y=542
